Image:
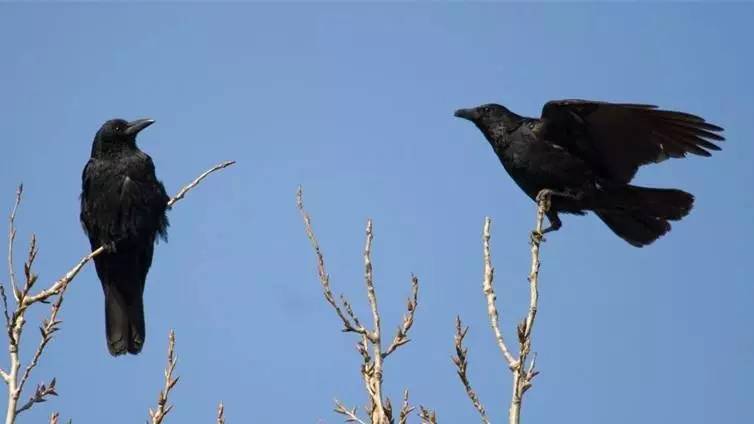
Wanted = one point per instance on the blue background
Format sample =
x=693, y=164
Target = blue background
x=355, y=102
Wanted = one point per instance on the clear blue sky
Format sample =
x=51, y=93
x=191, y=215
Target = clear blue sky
x=355, y=102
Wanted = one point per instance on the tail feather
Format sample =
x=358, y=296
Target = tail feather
x=124, y=322
x=640, y=215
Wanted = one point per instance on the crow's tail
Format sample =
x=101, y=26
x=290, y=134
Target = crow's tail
x=640, y=215
x=124, y=321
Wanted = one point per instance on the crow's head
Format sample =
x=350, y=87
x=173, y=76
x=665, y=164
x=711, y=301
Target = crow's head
x=487, y=116
x=118, y=134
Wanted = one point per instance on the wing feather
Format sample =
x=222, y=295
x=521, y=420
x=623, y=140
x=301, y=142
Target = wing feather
x=618, y=138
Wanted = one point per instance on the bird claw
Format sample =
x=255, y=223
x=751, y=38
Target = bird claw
x=536, y=237
x=544, y=195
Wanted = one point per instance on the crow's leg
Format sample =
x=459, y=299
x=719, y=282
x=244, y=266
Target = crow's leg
x=555, y=222
x=547, y=194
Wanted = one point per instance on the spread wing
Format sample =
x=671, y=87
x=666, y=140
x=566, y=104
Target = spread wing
x=616, y=139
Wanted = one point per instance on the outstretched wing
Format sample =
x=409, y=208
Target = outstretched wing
x=616, y=139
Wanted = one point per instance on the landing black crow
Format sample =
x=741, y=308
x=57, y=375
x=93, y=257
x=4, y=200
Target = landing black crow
x=588, y=152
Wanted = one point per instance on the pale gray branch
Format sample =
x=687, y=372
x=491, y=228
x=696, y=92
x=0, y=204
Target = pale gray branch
x=379, y=408
x=163, y=408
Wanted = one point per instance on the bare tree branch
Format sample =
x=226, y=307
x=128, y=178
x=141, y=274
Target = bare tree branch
x=406, y=409
x=379, y=408
x=12, y=239
x=489, y=293
x=351, y=415
x=427, y=416
x=163, y=408
x=461, y=365
x=523, y=374
x=221, y=414
x=401, y=336
x=182, y=193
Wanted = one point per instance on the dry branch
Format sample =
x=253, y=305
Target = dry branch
x=221, y=414
x=163, y=408
x=379, y=408
x=461, y=362
x=523, y=371
x=15, y=319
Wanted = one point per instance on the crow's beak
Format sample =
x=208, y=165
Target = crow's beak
x=135, y=126
x=470, y=114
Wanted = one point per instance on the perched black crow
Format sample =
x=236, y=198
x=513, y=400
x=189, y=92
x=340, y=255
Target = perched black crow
x=587, y=152
x=123, y=208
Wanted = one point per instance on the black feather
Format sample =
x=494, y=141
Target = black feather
x=123, y=207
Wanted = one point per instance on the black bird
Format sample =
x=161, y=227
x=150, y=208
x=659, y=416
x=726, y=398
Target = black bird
x=123, y=208
x=588, y=152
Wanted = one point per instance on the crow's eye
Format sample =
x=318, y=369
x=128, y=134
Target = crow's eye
x=486, y=110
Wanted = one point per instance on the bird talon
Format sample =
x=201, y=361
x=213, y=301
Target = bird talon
x=544, y=195
x=537, y=237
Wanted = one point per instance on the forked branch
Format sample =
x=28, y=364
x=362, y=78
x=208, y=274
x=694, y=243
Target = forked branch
x=379, y=408
x=523, y=369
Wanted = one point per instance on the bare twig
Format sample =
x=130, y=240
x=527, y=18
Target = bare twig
x=406, y=409
x=523, y=377
x=489, y=293
x=163, y=408
x=54, y=418
x=401, y=336
x=221, y=414
x=461, y=365
x=15, y=320
x=324, y=277
x=351, y=415
x=379, y=408
x=523, y=373
x=373, y=373
x=47, y=329
x=12, y=239
x=196, y=181
x=427, y=416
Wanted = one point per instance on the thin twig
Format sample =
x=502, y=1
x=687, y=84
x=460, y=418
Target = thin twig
x=221, y=414
x=324, y=277
x=196, y=181
x=12, y=239
x=48, y=328
x=351, y=415
x=401, y=336
x=373, y=374
x=489, y=293
x=461, y=362
x=523, y=374
x=163, y=408
x=522, y=378
x=379, y=409
x=427, y=416
x=406, y=409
